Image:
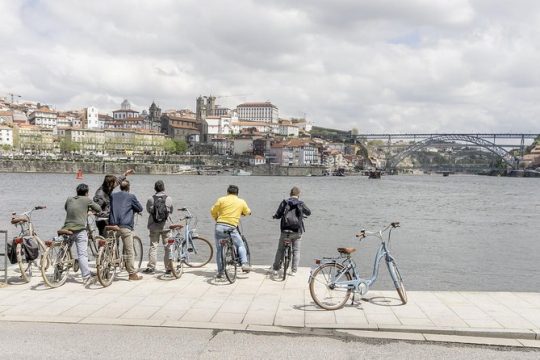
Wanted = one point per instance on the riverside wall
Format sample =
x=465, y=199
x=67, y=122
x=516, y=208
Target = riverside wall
x=104, y=167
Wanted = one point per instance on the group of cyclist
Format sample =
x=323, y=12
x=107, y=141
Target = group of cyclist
x=119, y=207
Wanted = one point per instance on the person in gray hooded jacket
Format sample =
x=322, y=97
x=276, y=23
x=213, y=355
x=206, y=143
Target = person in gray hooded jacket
x=158, y=229
x=289, y=232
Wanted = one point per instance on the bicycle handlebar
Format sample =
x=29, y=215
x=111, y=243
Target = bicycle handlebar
x=363, y=233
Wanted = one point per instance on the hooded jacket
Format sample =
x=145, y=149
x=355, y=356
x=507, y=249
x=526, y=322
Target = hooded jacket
x=293, y=202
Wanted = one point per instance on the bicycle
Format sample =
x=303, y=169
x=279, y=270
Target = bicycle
x=57, y=260
x=230, y=257
x=334, y=279
x=27, y=231
x=109, y=259
x=187, y=247
x=287, y=254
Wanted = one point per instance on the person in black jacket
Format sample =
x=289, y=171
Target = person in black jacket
x=103, y=197
x=291, y=211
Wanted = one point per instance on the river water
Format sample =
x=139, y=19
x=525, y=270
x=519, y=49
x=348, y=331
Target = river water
x=457, y=233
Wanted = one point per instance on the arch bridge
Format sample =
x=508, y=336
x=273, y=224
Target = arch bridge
x=486, y=141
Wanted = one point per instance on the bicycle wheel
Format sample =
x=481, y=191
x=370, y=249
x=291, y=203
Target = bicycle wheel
x=105, y=267
x=228, y=259
x=248, y=253
x=55, y=264
x=398, y=281
x=137, y=252
x=199, y=252
x=25, y=267
x=286, y=260
x=177, y=268
x=322, y=286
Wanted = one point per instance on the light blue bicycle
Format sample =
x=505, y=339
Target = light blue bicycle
x=186, y=247
x=334, y=279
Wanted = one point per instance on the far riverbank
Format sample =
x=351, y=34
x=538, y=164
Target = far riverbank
x=106, y=167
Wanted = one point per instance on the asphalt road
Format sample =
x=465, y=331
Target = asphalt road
x=72, y=341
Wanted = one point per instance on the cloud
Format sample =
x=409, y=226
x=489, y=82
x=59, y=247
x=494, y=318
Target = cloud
x=420, y=65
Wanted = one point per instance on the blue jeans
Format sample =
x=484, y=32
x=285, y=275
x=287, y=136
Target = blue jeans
x=80, y=238
x=237, y=240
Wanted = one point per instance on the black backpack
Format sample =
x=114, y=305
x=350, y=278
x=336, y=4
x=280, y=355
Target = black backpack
x=161, y=212
x=291, y=217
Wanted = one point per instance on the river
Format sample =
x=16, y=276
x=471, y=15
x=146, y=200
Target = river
x=457, y=232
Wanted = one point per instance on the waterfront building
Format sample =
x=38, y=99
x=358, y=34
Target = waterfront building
x=533, y=158
x=44, y=117
x=6, y=136
x=298, y=152
x=116, y=141
x=258, y=111
x=303, y=124
x=36, y=140
x=125, y=111
x=257, y=160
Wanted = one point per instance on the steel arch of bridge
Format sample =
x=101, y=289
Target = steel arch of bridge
x=488, y=145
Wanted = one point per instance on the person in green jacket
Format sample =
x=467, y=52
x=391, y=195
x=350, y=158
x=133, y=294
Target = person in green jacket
x=76, y=216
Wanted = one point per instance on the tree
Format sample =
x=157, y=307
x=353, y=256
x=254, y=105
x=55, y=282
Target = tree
x=68, y=146
x=181, y=146
x=169, y=146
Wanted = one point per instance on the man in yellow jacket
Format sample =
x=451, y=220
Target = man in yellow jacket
x=226, y=212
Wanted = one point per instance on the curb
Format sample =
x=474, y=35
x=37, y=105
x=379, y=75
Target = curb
x=495, y=337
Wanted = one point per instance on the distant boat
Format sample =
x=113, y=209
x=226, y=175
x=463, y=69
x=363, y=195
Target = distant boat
x=240, y=172
x=79, y=175
x=445, y=173
x=374, y=174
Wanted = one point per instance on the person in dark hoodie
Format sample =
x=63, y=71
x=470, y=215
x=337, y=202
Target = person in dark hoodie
x=291, y=211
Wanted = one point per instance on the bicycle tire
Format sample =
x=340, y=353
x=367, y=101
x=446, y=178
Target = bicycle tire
x=137, y=252
x=199, y=252
x=398, y=281
x=286, y=261
x=248, y=253
x=53, y=265
x=105, y=267
x=321, y=282
x=25, y=267
x=228, y=259
x=177, y=268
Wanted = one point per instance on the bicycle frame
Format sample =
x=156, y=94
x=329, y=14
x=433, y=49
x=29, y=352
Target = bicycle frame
x=350, y=266
x=27, y=228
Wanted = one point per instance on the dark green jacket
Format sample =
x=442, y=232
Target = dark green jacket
x=77, y=212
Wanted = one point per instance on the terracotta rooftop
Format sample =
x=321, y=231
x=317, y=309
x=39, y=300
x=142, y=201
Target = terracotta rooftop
x=258, y=104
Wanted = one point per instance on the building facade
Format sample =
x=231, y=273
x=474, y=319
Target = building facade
x=125, y=111
x=258, y=111
x=43, y=117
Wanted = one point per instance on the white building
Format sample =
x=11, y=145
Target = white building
x=6, y=136
x=125, y=111
x=91, y=116
x=43, y=117
x=258, y=111
x=286, y=128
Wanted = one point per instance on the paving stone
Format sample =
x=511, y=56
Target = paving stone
x=384, y=335
x=530, y=343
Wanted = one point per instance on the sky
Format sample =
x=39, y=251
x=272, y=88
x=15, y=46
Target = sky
x=378, y=66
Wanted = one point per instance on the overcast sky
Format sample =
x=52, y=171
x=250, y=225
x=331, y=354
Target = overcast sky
x=378, y=66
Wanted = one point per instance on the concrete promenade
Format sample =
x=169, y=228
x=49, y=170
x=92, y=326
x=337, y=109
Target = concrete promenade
x=258, y=303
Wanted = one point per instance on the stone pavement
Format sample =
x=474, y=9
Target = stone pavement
x=257, y=302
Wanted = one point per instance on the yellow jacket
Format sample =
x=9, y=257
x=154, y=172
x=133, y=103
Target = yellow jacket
x=227, y=210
